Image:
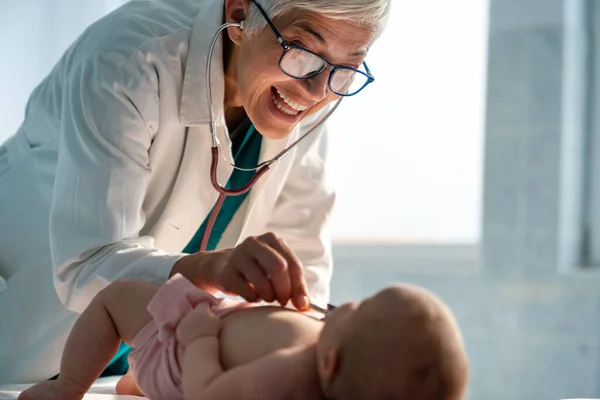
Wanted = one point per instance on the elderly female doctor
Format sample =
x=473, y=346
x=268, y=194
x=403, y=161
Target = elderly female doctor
x=108, y=177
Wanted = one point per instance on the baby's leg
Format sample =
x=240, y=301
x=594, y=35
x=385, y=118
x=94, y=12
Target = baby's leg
x=118, y=312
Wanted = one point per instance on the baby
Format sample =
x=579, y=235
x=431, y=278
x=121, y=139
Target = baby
x=402, y=343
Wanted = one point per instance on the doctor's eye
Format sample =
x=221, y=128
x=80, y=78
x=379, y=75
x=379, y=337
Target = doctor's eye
x=299, y=43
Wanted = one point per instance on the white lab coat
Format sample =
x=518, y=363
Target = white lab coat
x=108, y=177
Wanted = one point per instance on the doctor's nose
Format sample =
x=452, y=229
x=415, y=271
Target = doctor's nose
x=317, y=86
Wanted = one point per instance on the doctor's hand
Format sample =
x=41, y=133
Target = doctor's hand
x=259, y=268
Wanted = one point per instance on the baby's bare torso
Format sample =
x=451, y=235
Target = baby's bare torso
x=249, y=334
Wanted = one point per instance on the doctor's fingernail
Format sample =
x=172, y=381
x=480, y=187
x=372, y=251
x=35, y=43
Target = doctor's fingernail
x=304, y=302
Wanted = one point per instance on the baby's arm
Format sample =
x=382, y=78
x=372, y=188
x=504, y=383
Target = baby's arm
x=117, y=313
x=204, y=378
x=269, y=377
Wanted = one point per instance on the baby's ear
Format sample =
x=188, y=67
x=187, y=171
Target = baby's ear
x=330, y=364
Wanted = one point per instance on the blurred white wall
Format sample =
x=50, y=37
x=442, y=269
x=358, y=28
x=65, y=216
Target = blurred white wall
x=408, y=150
x=33, y=36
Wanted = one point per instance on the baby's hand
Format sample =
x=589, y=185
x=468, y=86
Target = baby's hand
x=200, y=322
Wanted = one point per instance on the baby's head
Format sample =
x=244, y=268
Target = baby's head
x=402, y=343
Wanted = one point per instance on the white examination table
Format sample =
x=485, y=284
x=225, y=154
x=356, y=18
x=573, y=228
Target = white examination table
x=103, y=389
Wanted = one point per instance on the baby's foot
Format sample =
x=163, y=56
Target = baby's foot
x=127, y=385
x=53, y=390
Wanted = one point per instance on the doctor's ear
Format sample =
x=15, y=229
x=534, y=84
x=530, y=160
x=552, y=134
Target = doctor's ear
x=236, y=11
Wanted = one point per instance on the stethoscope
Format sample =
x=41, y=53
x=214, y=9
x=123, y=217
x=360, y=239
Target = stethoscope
x=260, y=169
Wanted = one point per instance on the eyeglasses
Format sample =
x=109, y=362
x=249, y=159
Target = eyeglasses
x=300, y=63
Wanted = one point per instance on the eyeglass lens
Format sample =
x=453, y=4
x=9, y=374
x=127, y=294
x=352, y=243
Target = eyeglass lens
x=303, y=64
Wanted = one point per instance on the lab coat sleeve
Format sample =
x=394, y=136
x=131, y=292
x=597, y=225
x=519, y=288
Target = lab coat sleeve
x=303, y=209
x=109, y=116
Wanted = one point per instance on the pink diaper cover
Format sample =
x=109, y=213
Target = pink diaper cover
x=156, y=355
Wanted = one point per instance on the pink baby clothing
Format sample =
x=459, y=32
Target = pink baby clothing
x=156, y=355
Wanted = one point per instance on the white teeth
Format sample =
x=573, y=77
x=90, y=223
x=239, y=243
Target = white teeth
x=281, y=107
x=291, y=102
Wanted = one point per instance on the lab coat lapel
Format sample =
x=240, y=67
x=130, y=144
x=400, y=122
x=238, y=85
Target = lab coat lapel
x=193, y=195
x=194, y=107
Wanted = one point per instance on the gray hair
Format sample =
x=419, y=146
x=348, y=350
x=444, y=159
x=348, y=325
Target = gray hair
x=370, y=14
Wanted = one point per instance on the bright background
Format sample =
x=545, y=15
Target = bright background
x=408, y=150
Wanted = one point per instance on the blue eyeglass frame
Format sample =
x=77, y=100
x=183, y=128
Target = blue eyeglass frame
x=287, y=46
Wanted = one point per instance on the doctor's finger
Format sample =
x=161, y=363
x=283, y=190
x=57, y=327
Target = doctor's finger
x=282, y=286
x=295, y=275
x=236, y=283
x=267, y=257
x=259, y=281
x=278, y=273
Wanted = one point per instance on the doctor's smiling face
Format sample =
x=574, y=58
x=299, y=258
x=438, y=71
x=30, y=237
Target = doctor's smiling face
x=255, y=78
